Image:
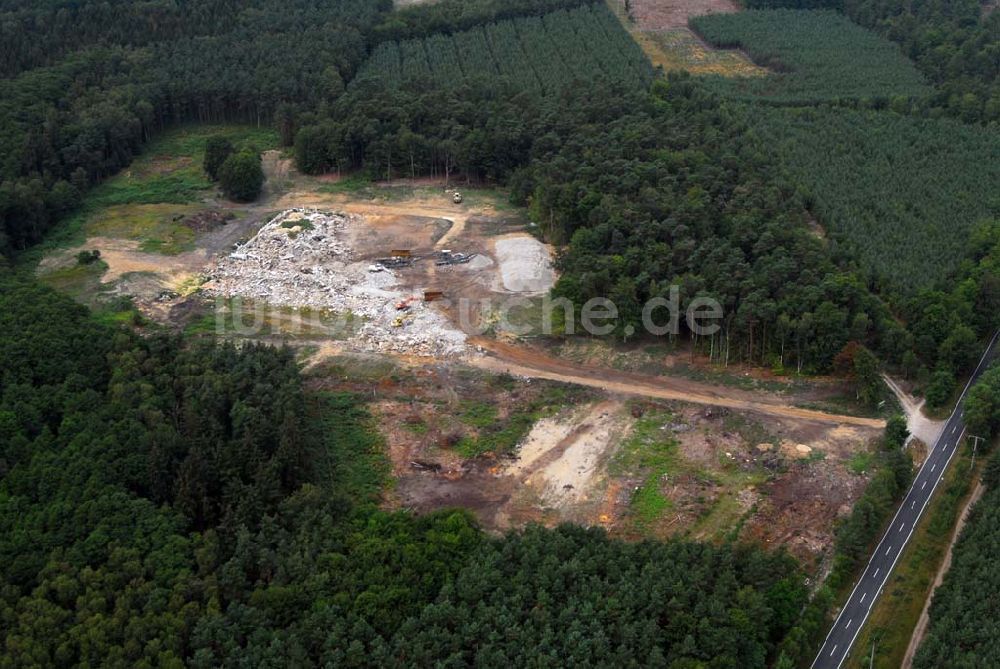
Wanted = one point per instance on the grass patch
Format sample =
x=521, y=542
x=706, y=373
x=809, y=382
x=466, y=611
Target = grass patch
x=501, y=435
x=895, y=616
x=651, y=453
x=861, y=462
x=354, y=461
x=648, y=503
x=81, y=282
x=239, y=318
x=147, y=200
x=356, y=184
x=478, y=414
x=681, y=50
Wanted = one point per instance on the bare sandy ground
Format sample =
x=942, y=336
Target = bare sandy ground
x=528, y=363
x=921, y=427
x=561, y=455
x=525, y=264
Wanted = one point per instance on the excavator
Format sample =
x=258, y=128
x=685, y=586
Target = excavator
x=404, y=305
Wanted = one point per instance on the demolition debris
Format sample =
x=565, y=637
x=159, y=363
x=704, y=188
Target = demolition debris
x=301, y=259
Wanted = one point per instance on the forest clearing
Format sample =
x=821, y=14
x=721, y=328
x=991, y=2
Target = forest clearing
x=661, y=29
x=516, y=450
x=550, y=455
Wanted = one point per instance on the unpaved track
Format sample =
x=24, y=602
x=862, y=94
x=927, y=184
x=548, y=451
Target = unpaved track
x=534, y=364
x=921, y=629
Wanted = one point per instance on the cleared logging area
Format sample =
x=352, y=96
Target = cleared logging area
x=816, y=56
x=540, y=54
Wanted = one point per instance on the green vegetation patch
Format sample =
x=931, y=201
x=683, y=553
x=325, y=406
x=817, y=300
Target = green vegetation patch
x=902, y=193
x=149, y=200
x=355, y=460
x=501, y=434
x=816, y=56
x=169, y=170
x=80, y=281
x=650, y=453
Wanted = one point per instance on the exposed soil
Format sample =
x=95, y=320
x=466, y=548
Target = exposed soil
x=560, y=473
x=922, y=428
x=799, y=508
x=735, y=472
x=667, y=14
x=525, y=264
x=531, y=363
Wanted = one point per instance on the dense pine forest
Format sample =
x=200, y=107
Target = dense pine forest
x=953, y=43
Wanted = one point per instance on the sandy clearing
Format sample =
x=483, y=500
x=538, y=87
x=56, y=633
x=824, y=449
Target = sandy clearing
x=525, y=264
x=123, y=256
x=921, y=427
x=532, y=364
x=570, y=477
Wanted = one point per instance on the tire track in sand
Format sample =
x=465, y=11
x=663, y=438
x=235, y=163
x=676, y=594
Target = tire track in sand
x=534, y=364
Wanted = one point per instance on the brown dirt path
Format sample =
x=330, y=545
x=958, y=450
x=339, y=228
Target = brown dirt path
x=535, y=364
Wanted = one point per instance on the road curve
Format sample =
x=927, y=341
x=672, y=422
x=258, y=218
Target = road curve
x=852, y=617
x=535, y=364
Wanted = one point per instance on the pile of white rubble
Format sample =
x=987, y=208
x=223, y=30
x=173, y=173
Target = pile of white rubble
x=301, y=259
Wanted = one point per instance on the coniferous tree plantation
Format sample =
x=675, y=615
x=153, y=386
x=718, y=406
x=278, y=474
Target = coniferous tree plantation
x=816, y=56
x=909, y=228
x=954, y=43
x=542, y=54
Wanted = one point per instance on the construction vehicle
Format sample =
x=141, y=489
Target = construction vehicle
x=400, y=321
x=397, y=258
x=432, y=295
x=404, y=305
x=447, y=257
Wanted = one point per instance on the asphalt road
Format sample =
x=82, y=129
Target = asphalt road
x=852, y=617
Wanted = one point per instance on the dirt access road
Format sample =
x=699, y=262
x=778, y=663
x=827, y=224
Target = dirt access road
x=535, y=364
